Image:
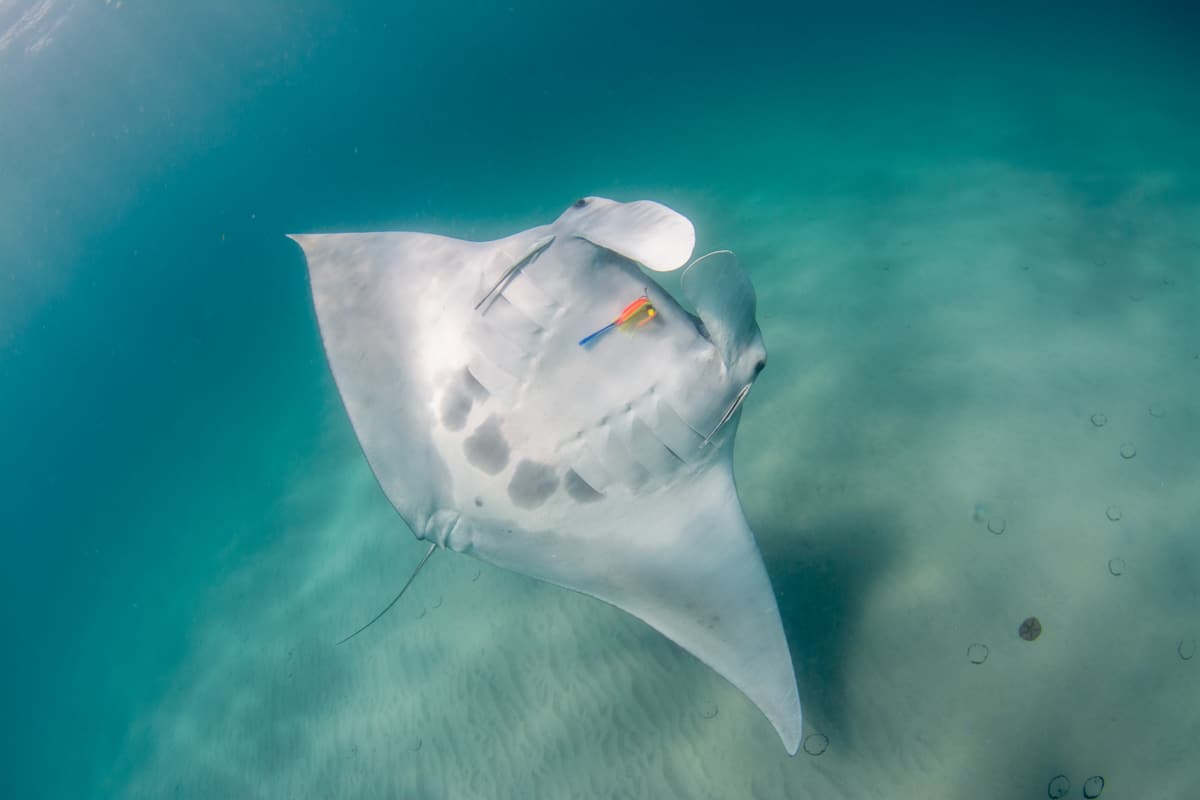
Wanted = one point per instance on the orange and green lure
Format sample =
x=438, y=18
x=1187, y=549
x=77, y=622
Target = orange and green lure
x=635, y=315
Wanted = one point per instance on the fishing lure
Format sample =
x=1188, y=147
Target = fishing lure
x=636, y=314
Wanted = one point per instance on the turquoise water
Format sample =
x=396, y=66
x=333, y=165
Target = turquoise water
x=972, y=231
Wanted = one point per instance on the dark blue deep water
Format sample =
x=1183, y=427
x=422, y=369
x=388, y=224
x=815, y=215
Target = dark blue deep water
x=973, y=229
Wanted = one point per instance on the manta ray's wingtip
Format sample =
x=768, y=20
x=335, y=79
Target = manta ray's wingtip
x=791, y=729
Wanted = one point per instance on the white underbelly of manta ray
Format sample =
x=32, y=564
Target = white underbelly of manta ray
x=540, y=403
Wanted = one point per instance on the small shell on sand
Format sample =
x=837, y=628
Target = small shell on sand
x=1058, y=787
x=1030, y=629
x=816, y=743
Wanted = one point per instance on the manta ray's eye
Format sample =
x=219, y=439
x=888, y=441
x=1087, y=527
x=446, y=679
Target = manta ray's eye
x=760, y=366
x=580, y=203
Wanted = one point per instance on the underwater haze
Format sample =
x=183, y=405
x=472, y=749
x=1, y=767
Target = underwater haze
x=974, y=232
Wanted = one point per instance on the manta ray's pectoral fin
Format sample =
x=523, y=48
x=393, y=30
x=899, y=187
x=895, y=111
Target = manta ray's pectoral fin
x=683, y=560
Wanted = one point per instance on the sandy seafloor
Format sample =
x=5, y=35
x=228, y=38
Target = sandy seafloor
x=975, y=237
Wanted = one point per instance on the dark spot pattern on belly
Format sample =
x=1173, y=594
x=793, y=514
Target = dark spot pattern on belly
x=486, y=448
x=461, y=394
x=455, y=407
x=532, y=484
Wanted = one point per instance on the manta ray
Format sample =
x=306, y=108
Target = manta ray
x=541, y=403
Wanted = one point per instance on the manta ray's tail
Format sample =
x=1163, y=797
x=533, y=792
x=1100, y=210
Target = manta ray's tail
x=395, y=599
